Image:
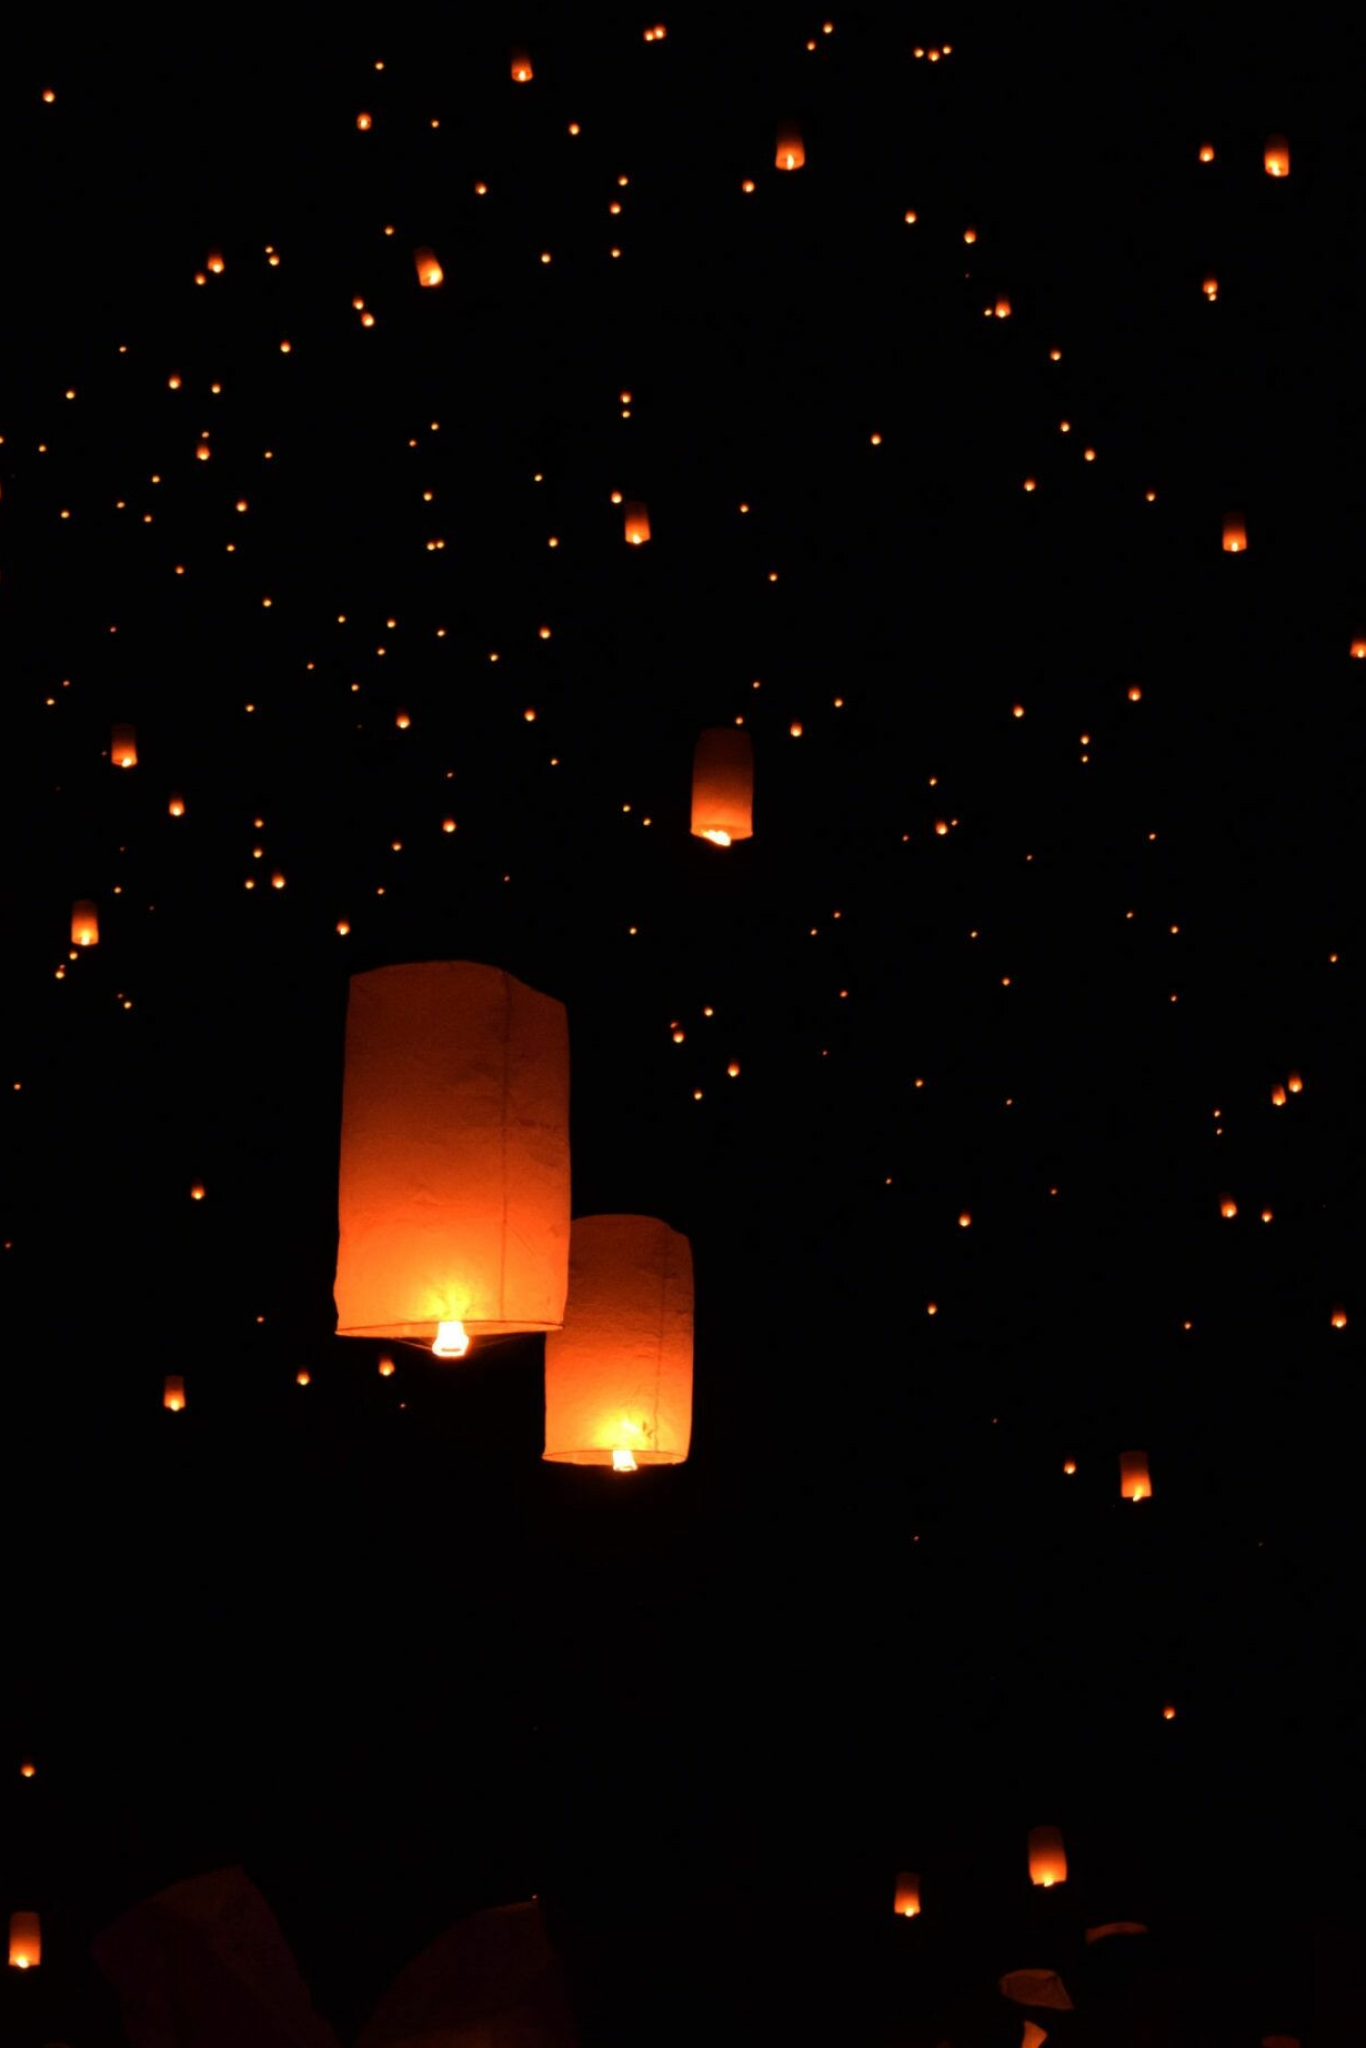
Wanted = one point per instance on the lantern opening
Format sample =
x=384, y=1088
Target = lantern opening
x=716, y=838
x=624, y=1461
x=451, y=1340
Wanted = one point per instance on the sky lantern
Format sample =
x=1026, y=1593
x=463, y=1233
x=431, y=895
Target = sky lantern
x=454, y=1189
x=637, y=525
x=1047, y=1857
x=1235, y=534
x=618, y=1375
x=791, y=151
x=173, y=1392
x=123, y=746
x=1134, y=1482
x=1277, y=157
x=907, y=1896
x=1359, y=649
x=522, y=73
x=85, y=923
x=429, y=271
x=723, y=786
x=25, y=1941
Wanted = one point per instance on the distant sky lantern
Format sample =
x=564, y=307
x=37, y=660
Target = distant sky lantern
x=25, y=1941
x=791, y=152
x=176, y=806
x=618, y=1376
x=123, y=746
x=454, y=1187
x=215, y=263
x=85, y=924
x=1207, y=152
x=907, y=1897
x=1134, y=1482
x=1235, y=534
x=1210, y=287
x=637, y=525
x=522, y=73
x=1359, y=650
x=1277, y=157
x=1003, y=309
x=1294, y=1084
x=429, y=271
x=723, y=786
x=1047, y=1857
x=173, y=1392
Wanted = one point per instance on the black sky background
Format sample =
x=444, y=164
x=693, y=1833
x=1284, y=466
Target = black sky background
x=353, y=1635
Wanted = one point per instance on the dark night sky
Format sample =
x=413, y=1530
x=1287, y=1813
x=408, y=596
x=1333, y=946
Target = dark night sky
x=354, y=1635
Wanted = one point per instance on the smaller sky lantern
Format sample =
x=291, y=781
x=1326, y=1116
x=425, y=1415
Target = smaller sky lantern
x=85, y=924
x=1003, y=308
x=123, y=746
x=723, y=786
x=28, y=1769
x=1235, y=534
x=1277, y=157
x=791, y=151
x=1047, y=1857
x=429, y=271
x=176, y=807
x=25, y=1941
x=214, y=262
x=907, y=1897
x=1339, y=1318
x=1278, y=1096
x=173, y=1393
x=386, y=1366
x=1228, y=1208
x=522, y=73
x=637, y=525
x=453, y=1201
x=1294, y=1084
x=1207, y=152
x=1359, y=649
x=1134, y=1482
x=1210, y=287
x=618, y=1375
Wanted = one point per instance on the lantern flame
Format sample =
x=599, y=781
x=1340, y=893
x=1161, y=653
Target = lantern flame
x=451, y=1341
x=624, y=1461
x=717, y=838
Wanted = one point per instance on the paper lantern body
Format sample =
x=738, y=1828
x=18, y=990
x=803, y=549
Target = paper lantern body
x=618, y=1376
x=1277, y=157
x=85, y=923
x=1235, y=534
x=429, y=271
x=907, y=1894
x=1134, y=1480
x=723, y=786
x=173, y=1392
x=1047, y=1857
x=637, y=525
x=454, y=1188
x=123, y=746
x=790, y=154
x=25, y=1941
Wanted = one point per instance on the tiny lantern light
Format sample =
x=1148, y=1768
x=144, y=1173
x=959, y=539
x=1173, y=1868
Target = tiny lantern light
x=1134, y=1482
x=453, y=1200
x=618, y=1375
x=723, y=786
x=637, y=525
x=173, y=1392
x=907, y=1900
x=25, y=1941
x=123, y=746
x=1047, y=1857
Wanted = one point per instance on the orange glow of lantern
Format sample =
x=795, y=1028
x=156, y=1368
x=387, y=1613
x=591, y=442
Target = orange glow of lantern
x=1339, y=1319
x=1047, y=1857
x=176, y=807
x=1294, y=1084
x=1235, y=534
x=791, y=151
x=637, y=525
x=1134, y=1482
x=173, y=1392
x=429, y=271
x=386, y=1367
x=1210, y=288
x=123, y=746
x=454, y=1186
x=907, y=1899
x=1228, y=1208
x=1277, y=157
x=1278, y=1096
x=723, y=786
x=618, y=1376
x=522, y=73
x=25, y=1941
x=1359, y=650
x=85, y=924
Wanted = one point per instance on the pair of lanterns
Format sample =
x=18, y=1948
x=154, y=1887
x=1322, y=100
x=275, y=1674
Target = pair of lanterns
x=454, y=1212
x=1047, y=1867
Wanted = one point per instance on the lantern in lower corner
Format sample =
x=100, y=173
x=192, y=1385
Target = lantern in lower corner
x=1047, y=1857
x=618, y=1375
x=723, y=786
x=907, y=1901
x=1134, y=1480
x=453, y=1201
x=637, y=525
x=791, y=153
x=85, y=923
x=173, y=1392
x=429, y=271
x=123, y=746
x=1235, y=534
x=25, y=1941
